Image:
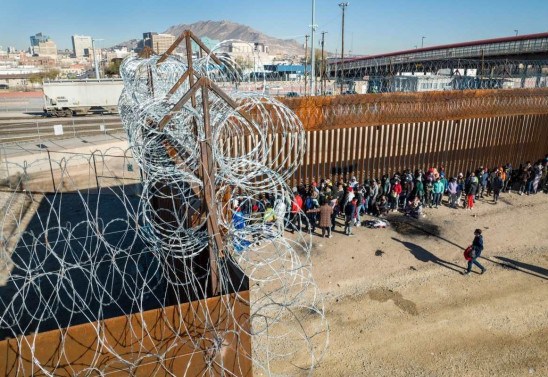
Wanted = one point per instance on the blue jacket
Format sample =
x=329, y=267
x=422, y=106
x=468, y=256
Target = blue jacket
x=477, y=244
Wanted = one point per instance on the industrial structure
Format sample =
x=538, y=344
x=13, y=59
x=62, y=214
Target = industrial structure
x=491, y=63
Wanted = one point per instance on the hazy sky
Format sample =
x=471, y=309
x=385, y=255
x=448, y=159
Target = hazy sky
x=371, y=26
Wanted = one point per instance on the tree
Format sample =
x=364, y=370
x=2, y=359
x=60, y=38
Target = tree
x=50, y=74
x=113, y=69
x=318, y=60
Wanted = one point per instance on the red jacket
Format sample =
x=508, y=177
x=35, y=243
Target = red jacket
x=297, y=204
x=397, y=188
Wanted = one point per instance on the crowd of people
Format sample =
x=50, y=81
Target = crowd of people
x=408, y=192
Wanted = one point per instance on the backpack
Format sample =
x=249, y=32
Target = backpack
x=470, y=253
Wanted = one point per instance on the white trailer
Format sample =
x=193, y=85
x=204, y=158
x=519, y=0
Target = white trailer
x=73, y=97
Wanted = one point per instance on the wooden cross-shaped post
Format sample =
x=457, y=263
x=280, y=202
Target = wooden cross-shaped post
x=207, y=169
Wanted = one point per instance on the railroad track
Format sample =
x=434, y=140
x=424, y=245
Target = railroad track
x=21, y=130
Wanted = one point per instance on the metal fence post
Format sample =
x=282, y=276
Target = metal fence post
x=51, y=170
x=6, y=161
x=95, y=168
x=38, y=130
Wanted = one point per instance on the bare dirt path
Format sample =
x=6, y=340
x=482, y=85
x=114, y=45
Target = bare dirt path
x=398, y=305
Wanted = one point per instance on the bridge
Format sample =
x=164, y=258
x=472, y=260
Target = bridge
x=518, y=56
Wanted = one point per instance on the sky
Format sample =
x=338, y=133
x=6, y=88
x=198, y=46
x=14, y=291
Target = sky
x=371, y=27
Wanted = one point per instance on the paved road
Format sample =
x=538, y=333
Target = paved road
x=37, y=128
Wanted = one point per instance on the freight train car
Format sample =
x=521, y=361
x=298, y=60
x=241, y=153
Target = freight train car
x=78, y=97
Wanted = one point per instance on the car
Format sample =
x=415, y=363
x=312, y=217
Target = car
x=292, y=94
x=4, y=86
x=350, y=92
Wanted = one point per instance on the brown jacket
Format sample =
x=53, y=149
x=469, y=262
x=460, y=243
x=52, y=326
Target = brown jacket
x=325, y=215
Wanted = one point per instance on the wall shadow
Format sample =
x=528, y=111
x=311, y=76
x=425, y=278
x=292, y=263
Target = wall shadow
x=426, y=256
x=526, y=268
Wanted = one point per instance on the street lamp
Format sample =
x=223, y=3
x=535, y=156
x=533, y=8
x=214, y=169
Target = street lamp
x=95, y=57
x=312, y=54
x=422, y=41
x=343, y=7
x=516, y=31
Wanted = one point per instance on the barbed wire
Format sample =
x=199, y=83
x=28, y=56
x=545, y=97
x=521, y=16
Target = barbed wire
x=84, y=253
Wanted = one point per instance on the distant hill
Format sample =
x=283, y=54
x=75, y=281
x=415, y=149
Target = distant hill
x=222, y=30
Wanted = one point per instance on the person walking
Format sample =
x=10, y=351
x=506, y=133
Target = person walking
x=475, y=252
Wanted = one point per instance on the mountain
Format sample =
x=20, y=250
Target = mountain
x=222, y=30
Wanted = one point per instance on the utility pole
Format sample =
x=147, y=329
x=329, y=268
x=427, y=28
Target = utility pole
x=322, y=69
x=313, y=57
x=305, y=61
x=422, y=42
x=343, y=7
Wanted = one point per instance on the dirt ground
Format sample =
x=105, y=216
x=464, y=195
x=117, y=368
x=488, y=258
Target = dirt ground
x=398, y=304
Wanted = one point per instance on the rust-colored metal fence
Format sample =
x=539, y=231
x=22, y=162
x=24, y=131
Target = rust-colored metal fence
x=370, y=135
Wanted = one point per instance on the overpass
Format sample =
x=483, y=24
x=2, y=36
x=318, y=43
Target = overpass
x=511, y=56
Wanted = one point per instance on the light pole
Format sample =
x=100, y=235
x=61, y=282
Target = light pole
x=313, y=56
x=516, y=31
x=422, y=41
x=305, y=62
x=343, y=7
x=95, y=57
x=322, y=70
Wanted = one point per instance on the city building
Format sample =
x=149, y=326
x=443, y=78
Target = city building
x=42, y=45
x=158, y=42
x=81, y=46
x=37, y=38
x=46, y=49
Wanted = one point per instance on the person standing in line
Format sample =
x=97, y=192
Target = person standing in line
x=452, y=187
x=296, y=207
x=537, y=176
x=471, y=190
x=475, y=252
x=326, y=210
x=497, y=184
x=508, y=172
x=373, y=195
x=483, y=178
x=349, y=210
x=429, y=191
x=419, y=189
x=524, y=178
x=460, y=187
x=438, y=192
x=386, y=185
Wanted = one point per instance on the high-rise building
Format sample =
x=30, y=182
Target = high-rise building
x=37, y=38
x=158, y=42
x=81, y=45
x=42, y=45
